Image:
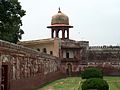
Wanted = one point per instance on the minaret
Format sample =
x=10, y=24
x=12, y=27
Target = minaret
x=60, y=22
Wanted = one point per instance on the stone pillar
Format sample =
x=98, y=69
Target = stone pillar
x=57, y=33
x=67, y=33
x=52, y=33
x=63, y=34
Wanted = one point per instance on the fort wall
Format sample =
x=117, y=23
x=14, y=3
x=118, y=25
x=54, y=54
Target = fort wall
x=24, y=69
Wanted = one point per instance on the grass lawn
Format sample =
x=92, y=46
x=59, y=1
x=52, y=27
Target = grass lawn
x=73, y=83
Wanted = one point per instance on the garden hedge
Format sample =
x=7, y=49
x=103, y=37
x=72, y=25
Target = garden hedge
x=95, y=84
x=91, y=72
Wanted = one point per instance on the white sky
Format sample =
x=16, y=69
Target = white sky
x=97, y=21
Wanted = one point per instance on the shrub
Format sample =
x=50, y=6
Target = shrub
x=95, y=84
x=91, y=73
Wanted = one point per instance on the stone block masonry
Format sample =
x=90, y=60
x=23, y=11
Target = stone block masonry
x=22, y=68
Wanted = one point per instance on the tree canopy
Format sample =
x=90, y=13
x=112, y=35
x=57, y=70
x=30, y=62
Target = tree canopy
x=11, y=13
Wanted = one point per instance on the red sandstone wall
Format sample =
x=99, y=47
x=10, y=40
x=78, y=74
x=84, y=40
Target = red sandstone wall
x=27, y=68
x=34, y=82
x=107, y=70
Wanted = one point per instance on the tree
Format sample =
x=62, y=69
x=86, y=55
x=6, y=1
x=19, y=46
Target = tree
x=11, y=13
x=92, y=72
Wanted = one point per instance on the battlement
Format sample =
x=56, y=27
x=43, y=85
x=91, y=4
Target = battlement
x=104, y=47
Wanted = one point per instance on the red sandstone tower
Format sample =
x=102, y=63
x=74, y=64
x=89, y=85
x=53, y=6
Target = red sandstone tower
x=60, y=22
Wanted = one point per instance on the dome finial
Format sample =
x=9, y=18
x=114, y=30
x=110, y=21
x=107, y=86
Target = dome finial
x=59, y=10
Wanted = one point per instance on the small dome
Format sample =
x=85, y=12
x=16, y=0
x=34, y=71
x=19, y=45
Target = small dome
x=60, y=18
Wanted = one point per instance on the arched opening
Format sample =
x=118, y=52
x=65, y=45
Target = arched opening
x=69, y=69
x=60, y=34
x=67, y=54
x=38, y=49
x=44, y=50
x=65, y=33
x=51, y=52
x=54, y=33
x=4, y=73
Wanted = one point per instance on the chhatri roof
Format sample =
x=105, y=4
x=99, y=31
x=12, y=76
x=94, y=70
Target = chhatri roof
x=60, y=19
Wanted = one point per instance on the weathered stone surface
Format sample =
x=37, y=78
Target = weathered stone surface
x=26, y=65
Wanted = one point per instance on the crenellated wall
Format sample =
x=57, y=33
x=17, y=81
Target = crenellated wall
x=105, y=57
x=26, y=68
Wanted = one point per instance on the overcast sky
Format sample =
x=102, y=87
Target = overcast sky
x=97, y=21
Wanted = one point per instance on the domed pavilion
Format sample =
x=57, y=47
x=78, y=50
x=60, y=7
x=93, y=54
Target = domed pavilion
x=60, y=22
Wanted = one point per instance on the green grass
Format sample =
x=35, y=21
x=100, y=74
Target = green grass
x=73, y=83
x=114, y=82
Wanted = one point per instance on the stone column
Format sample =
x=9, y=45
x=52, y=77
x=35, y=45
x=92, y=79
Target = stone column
x=67, y=33
x=52, y=33
x=63, y=34
x=57, y=33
